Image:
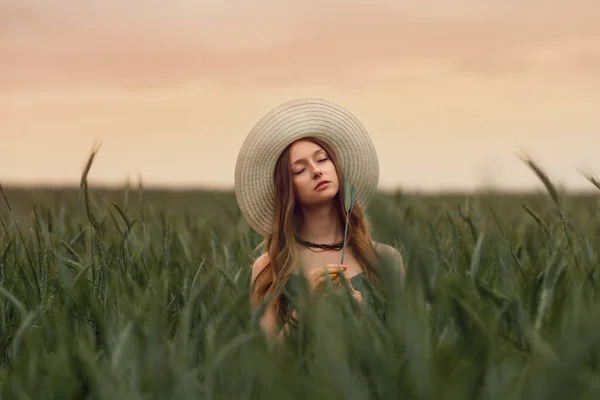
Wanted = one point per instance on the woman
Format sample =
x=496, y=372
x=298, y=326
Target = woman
x=290, y=182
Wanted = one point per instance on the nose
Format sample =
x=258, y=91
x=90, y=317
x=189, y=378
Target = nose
x=317, y=172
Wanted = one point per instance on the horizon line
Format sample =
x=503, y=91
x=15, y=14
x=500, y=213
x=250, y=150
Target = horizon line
x=43, y=186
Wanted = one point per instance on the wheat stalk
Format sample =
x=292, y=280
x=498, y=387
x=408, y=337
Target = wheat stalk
x=349, y=201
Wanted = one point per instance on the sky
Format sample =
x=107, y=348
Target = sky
x=452, y=92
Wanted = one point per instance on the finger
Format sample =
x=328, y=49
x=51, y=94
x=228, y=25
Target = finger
x=327, y=278
x=336, y=266
x=321, y=281
x=317, y=286
x=329, y=269
x=349, y=282
x=334, y=274
x=316, y=280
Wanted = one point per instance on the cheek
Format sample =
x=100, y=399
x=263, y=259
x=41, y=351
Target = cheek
x=334, y=179
x=299, y=184
x=332, y=172
x=331, y=167
x=336, y=185
x=295, y=184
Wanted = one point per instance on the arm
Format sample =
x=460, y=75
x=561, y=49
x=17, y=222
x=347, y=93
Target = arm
x=269, y=320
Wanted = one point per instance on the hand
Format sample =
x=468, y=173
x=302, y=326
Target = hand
x=318, y=276
x=356, y=295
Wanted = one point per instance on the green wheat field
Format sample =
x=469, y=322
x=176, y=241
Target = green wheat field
x=144, y=294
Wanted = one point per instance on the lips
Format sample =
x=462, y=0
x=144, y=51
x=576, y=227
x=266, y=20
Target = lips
x=321, y=184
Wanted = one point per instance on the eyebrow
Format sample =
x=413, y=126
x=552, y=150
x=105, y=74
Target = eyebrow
x=314, y=154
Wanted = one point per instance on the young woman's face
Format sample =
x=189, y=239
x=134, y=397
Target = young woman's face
x=313, y=172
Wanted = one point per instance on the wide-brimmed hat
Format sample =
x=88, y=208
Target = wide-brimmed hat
x=291, y=121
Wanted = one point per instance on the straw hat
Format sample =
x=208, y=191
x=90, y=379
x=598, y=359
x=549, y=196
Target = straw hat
x=298, y=119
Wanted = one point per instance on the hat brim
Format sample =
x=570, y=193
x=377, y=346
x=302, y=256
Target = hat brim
x=291, y=121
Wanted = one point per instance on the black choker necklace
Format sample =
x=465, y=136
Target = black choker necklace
x=333, y=246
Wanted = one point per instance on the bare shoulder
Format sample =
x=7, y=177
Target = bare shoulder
x=259, y=265
x=390, y=253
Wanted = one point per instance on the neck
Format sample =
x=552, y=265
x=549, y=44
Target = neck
x=321, y=224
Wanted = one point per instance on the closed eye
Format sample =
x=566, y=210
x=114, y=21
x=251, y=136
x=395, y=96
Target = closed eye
x=323, y=160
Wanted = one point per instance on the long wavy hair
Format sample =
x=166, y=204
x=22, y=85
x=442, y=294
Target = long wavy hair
x=281, y=244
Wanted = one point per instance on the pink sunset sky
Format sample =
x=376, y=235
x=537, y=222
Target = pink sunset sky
x=451, y=91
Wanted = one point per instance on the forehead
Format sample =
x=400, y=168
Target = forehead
x=303, y=148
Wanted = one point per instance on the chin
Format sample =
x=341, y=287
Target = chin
x=331, y=191
x=324, y=195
